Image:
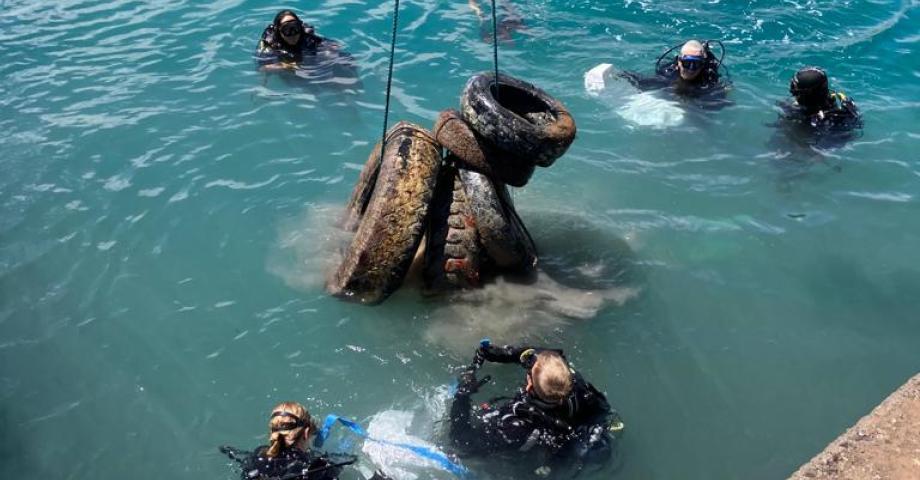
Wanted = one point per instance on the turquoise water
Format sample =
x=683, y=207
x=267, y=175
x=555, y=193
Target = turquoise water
x=741, y=298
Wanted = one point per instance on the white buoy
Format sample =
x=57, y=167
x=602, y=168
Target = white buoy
x=596, y=78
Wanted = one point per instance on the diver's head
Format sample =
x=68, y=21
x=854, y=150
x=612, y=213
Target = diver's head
x=288, y=27
x=289, y=427
x=691, y=60
x=809, y=87
x=550, y=378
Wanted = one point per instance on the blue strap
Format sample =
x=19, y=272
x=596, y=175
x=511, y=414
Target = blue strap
x=439, y=458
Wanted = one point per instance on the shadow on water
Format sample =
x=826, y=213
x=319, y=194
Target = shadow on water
x=328, y=74
x=798, y=151
x=854, y=303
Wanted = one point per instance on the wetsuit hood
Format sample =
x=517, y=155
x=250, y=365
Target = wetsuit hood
x=810, y=88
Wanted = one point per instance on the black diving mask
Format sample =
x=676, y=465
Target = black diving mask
x=296, y=422
x=691, y=62
x=291, y=28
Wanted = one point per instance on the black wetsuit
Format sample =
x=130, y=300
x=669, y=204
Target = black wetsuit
x=290, y=464
x=272, y=49
x=837, y=114
x=579, y=424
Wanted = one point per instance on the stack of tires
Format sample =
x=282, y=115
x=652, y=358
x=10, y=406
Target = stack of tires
x=459, y=201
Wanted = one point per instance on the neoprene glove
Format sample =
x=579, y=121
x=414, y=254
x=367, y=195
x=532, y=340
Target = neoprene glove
x=467, y=383
x=494, y=353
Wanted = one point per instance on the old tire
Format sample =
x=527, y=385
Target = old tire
x=452, y=251
x=525, y=121
x=393, y=223
x=500, y=233
x=364, y=187
x=474, y=153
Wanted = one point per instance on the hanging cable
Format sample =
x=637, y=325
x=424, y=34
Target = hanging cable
x=386, y=108
x=495, y=46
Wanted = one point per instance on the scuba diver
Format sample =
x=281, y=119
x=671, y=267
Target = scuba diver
x=815, y=106
x=291, y=45
x=509, y=21
x=287, y=455
x=556, y=414
x=694, y=71
x=285, y=41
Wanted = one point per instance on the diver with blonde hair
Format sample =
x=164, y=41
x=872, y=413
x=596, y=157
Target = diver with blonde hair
x=555, y=413
x=288, y=455
x=695, y=72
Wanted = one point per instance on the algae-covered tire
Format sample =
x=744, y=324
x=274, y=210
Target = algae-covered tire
x=452, y=251
x=500, y=233
x=473, y=152
x=525, y=120
x=361, y=195
x=393, y=223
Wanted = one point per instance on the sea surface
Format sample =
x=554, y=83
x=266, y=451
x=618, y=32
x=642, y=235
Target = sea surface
x=165, y=213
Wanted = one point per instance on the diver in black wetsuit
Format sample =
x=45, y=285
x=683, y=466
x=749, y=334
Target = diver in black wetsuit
x=557, y=413
x=509, y=21
x=814, y=106
x=287, y=456
x=291, y=45
x=695, y=71
x=286, y=40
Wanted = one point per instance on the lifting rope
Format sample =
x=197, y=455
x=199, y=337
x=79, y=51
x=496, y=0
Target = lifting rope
x=495, y=47
x=386, y=108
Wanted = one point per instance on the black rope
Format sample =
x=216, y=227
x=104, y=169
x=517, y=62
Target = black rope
x=386, y=108
x=495, y=47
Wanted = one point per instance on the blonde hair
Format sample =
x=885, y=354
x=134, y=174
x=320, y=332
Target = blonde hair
x=552, y=378
x=284, y=414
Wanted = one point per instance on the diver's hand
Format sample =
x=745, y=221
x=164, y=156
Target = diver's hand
x=502, y=354
x=467, y=384
x=276, y=67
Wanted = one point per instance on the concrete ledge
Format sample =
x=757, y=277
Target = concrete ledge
x=884, y=445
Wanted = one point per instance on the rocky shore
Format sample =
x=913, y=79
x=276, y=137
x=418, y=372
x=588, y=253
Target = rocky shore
x=884, y=445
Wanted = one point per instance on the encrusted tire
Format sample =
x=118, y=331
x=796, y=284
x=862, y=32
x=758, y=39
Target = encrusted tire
x=394, y=220
x=525, y=120
x=500, y=233
x=361, y=195
x=452, y=251
x=473, y=152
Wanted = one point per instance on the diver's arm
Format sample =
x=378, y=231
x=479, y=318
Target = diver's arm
x=596, y=408
x=503, y=354
x=277, y=67
x=264, y=51
x=268, y=60
x=460, y=426
x=643, y=82
x=511, y=354
x=850, y=107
